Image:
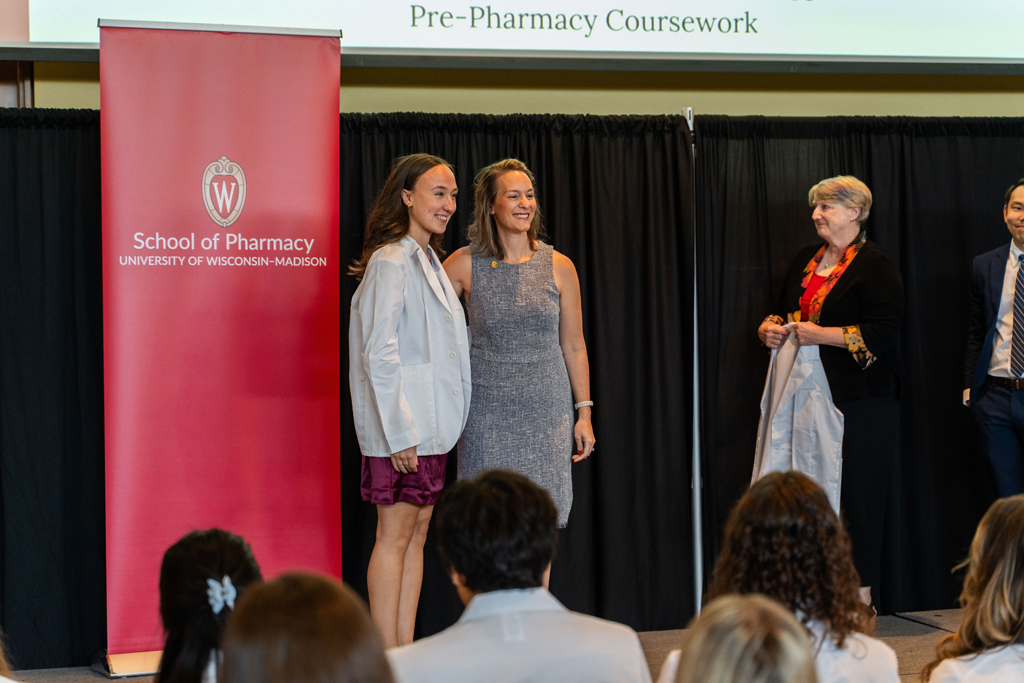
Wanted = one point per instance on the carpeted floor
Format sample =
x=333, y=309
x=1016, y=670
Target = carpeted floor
x=912, y=635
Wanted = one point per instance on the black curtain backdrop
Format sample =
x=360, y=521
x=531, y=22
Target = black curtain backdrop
x=52, y=587
x=616, y=193
x=616, y=196
x=938, y=189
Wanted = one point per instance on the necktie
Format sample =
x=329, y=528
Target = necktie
x=1017, y=339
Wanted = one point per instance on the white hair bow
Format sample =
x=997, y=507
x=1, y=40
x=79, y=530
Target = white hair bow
x=221, y=594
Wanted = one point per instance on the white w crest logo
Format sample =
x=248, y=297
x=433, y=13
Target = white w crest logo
x=220, y=181
x=223, y=196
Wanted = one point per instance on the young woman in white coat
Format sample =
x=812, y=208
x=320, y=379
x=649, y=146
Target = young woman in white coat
x=409, y=377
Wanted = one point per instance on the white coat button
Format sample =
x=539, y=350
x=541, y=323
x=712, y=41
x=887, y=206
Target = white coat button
x=448, y=318
x=456, y=392
x=452, y=354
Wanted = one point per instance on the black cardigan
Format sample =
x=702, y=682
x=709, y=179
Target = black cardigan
x=869, y=294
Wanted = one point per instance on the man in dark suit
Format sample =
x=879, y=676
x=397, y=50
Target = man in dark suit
x=994, y=367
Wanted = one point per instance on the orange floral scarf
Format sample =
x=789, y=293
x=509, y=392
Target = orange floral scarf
x=814, y=307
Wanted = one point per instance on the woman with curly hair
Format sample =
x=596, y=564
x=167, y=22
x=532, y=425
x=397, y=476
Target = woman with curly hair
x=989, y=645
x=784, y=540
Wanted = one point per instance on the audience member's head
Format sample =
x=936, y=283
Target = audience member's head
x=496, y=532
x=784, y=540
x=5, y=670
x=993, y=594
x=303, y=628
x=745, y=639
x=201, y=577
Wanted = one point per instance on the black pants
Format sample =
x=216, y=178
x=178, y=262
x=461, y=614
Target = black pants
x=870, y=436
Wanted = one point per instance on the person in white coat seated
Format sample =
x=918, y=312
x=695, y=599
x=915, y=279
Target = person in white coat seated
x=497, y=536
x=784, y=540
x=988, y=647
x=742, y=639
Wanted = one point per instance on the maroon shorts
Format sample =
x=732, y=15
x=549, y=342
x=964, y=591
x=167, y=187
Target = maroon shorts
x=381, y=485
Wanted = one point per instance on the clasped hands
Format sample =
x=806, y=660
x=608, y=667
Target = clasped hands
x=807, y=334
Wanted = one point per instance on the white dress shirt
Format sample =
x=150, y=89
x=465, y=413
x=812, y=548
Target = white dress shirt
x=408, y=354
x=860, y=660
x=523, y=635
x=998, y=665
x=999, y=364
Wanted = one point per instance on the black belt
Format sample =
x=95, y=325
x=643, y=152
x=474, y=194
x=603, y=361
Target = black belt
x=1014, y=384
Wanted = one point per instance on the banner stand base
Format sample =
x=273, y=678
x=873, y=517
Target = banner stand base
x=129, y=664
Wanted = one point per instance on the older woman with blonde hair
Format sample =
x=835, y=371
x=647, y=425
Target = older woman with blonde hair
x=844, y=296
x=529, y=359
x=989, y=644
x=742, y=639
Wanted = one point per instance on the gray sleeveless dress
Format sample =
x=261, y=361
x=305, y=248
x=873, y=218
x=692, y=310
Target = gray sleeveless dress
x=521, y=415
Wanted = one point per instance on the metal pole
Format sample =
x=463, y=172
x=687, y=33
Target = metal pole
x=697, y=480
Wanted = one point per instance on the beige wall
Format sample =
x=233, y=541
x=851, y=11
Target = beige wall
x=604, y=92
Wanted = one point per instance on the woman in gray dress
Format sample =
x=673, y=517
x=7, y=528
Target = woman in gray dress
x=526, y=331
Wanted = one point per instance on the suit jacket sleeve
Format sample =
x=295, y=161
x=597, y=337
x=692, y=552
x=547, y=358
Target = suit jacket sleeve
x=976, y=323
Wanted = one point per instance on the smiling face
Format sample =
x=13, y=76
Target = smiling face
x=835, y=223
x=431, y=203
x=1013, y=214
x=515, y=204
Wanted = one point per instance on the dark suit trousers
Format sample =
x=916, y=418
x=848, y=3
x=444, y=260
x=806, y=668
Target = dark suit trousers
x=999, y=413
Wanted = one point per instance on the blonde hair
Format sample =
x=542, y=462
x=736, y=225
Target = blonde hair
x=483, y=231
x=748, y=639
x=993, y=594
x=5, y=670
x=844, y=190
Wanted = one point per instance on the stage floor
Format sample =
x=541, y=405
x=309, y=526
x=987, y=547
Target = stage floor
x=912, y=635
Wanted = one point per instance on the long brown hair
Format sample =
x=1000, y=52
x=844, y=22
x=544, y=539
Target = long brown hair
x=993, y=594
x=784, y=540
x=483, y=231
x=389, y=219
x=303, y=628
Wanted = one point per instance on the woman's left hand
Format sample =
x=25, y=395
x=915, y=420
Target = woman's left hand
x=808, y=334
x=584, y=433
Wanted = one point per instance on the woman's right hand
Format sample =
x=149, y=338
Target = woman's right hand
x=405, y=461
x=772, y=334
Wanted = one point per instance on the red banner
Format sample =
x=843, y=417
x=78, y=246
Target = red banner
x=220, y=294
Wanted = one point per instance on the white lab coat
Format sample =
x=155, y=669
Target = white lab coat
x=801, y=429
x=408, y=355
